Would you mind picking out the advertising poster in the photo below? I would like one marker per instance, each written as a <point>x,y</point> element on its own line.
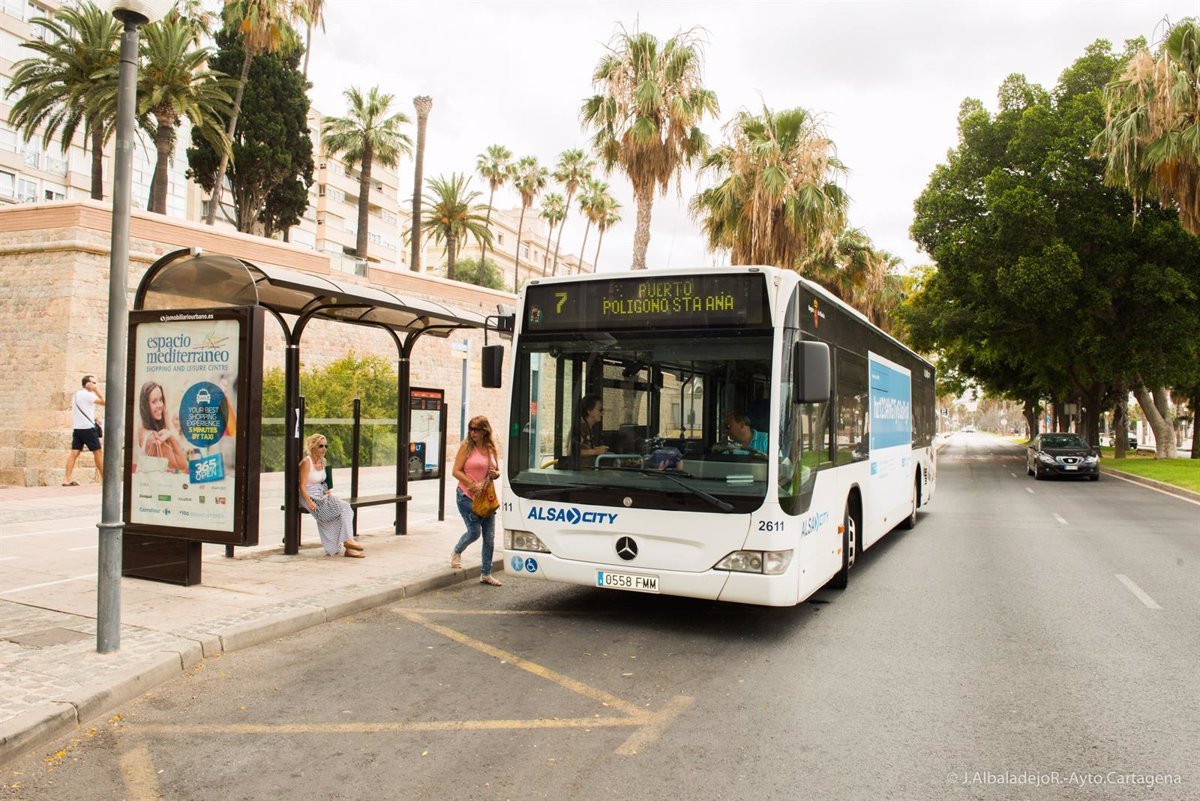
<point>891,416</point>
<point>184,435</point>
<point>425,433</point>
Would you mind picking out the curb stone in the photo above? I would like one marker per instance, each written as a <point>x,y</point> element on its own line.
<point>1149,482</point>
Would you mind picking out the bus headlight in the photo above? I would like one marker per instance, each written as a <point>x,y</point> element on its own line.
<point>770,563</point>
<point>515,540</point>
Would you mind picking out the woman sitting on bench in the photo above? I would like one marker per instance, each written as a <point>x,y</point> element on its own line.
<point>335,518</point>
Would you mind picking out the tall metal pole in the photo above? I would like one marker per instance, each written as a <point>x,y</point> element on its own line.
<point>108,581</point>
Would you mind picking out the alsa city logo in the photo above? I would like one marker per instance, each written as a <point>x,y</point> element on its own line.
<point>813,524</point>
<point>572,515</point>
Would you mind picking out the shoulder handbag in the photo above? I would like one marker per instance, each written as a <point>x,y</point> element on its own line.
<point>95,423</point>
<point>152,462</point>
<point>485,503</point>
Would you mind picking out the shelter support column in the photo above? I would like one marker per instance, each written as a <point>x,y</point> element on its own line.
<point>291,450</point>
<point>403,434</point>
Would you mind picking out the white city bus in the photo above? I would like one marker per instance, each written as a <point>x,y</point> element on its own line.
<point>664,501</point>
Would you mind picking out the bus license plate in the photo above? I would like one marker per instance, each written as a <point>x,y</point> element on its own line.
<point>626,581</point>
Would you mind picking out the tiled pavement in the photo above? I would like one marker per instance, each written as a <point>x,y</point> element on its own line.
<point>51,677</point>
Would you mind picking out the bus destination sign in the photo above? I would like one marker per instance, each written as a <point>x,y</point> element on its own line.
<point>720,300</point>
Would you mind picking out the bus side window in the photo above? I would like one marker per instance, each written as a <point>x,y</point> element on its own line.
<point>853,444</point>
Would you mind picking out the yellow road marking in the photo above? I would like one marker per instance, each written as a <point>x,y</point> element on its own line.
<point>141,780</point>
<point>428,610</point>
<point>524,664</point>
<point>393,727</point>
<point>654,729</point>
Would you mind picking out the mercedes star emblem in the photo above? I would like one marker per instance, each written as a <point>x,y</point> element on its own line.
<point>627,548</point>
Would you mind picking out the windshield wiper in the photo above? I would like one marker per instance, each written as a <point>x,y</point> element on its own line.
<point>699,493</point>
<point>570,488</point>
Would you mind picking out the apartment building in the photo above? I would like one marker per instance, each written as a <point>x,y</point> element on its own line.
<point>33,173</point>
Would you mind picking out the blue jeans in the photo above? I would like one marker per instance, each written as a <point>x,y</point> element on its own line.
<point>476,526</point>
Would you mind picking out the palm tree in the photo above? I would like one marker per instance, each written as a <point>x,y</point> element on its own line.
<point>423,105</point>
<point>610,217</point>
<point>371,133</point>
<point>776,196</point>
<point>52,87</point>
<point>265,27</point>
<point>554,211</point>
<point>173,83</point>
<point>646,115</point>
<point>574,167</point>
<point>494,165</point>
<point>453,215</point>
<point>593,203</point>
<point>1151,139</point>
<point>530,179</point>
<point>314,14</point>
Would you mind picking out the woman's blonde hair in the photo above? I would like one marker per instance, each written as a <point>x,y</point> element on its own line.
<point>311,440</point>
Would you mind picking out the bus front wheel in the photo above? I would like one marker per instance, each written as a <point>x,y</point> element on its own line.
<point>911,521</point>
<point>849,550</point>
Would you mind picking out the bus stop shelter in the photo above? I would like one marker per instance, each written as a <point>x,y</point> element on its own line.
<point>190,279</point>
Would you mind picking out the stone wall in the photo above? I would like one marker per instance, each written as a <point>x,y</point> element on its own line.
<point>54,260</point>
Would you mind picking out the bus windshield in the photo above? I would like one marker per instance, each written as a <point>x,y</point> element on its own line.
<point>643,419</point>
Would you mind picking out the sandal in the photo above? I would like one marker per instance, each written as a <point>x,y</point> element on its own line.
<point>456,561</point>
<point>353,546</point>
<point>353,554</point>
<point>491,580</point>
<point>71,484</point>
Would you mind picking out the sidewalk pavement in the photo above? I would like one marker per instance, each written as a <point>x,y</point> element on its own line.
<point>52,680</point>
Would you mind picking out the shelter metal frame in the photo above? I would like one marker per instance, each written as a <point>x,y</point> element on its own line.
<point>188,278</point>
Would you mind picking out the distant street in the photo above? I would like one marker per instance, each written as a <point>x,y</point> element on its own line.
<point>1025,633</point>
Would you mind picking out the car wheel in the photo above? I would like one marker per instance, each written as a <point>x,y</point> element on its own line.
<point>1094,478</point>
<point>849,544</point>
<point>1028,469</point>
<point>1037,473</point>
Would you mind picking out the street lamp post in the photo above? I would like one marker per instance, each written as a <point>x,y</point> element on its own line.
<point>133,14</point>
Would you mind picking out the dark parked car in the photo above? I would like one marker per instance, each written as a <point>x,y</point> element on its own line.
<point>1061,455</point>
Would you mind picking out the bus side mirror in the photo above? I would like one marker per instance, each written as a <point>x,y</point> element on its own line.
<point>493,364</point>
<point>810,372</point>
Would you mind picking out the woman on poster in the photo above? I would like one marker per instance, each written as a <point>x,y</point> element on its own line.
<point>160,444</point>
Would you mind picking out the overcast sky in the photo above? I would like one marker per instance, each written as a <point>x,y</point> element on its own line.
<point>888,78</point>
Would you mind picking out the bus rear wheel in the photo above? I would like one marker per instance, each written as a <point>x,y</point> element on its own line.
<point>841,579</point>
<point>911,521</point>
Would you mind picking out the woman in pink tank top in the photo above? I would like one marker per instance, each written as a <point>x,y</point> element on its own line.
<point>476,461</point>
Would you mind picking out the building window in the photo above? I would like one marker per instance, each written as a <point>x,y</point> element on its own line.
<point>27,191</point>
<point>499,239</point>
<point>8,184</point>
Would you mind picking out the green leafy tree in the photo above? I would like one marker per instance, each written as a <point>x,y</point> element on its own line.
<point>453,215</point>
<point>329,392</point>
<point>272,165</point>
<point>495,166</point>
<point>1044,288</point>
<point>529,178</point>
<point>265,26</point>
<point>646,116</point>
<point>776,195</point>
<point>370,134</point>
<point>52,88</point>
<point>573,169</point>
<point>488,275</point>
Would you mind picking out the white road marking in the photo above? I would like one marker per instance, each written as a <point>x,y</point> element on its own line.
<point>47,531</point>
<point>1059,518</point>
<point>85,548</point>
<point>1138,592</point>
<point>47,584</point>
<point>1029,490</point>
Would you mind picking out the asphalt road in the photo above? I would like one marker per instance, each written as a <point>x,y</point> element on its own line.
<point>1028,640</point>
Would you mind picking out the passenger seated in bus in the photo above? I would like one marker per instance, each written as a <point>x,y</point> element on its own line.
<point>743,439</point>
<point>583,433</point>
